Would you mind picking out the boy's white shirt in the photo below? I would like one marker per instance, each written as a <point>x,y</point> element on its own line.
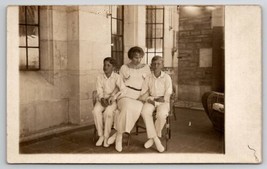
<point>156,87</point>
<point>109,86</point>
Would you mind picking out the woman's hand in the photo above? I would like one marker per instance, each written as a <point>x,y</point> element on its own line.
<point>104,102</point>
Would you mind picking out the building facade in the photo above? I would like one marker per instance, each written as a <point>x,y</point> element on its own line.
<point>70,42</point>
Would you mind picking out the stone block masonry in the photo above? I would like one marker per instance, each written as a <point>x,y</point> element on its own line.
<point>195,33</point>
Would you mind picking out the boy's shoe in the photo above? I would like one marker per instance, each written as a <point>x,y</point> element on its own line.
<point>149,143</point>
<point>106,142</point>
<point>100,141</point>
<point>159,146</point>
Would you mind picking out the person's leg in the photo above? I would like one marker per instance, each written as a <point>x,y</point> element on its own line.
<point>132,114</point>
<point>108,118</point>
<point>98,119</point>
<point>147,115</point>
<point>129,112</point>
<point>162,113</point>
<point>112,139</point>
<point>119,125</point>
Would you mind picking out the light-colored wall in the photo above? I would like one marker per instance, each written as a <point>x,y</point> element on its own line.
<point>72,52</point>
<point>44,94</point>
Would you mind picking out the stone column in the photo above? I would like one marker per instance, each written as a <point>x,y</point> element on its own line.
<point>89,42</point>
<point>94,46</point>
<point>73,63</point>
<point>134,28</point>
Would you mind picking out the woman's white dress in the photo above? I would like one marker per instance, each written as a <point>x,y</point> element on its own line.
<point>129,107</point>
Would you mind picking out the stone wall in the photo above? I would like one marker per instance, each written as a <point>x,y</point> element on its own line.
<point>197,71</point>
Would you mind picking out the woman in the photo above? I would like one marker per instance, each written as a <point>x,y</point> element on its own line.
<point>133,75</point>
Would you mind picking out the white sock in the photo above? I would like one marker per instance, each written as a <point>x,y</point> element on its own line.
<point>159,146</point>
<point>118,145</point>
<point>149,143</point>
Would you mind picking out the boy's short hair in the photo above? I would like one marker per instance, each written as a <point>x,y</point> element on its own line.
<point>155,58</point>
<point>110,60</point>
<point>136,49</point>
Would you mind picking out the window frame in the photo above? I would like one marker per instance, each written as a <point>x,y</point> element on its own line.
<point>154,37</point>
<point>115,51</point>
<point>27,46</point>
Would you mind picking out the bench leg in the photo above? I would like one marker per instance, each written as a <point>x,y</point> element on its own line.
<point>94,135</point>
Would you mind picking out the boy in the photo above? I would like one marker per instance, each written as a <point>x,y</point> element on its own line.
<point>107,86</point>
<point>158,85</point>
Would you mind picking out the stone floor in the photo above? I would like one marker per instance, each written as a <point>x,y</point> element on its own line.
<point>191,132</point>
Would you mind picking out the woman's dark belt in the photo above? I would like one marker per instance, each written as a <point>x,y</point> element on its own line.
<point>134,88</point>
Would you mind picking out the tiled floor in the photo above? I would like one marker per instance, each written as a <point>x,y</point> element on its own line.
<point>192,132</point>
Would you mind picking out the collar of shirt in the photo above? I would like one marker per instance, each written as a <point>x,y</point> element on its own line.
<point>111,76</point>
<point>161,75</point>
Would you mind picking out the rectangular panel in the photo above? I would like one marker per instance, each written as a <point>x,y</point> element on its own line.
<point>119,12</point>
<point>119,44</point>
<point>114,42</point>
<point>119,59</point>
<point>159,16</point>
<point>159,45</point>
<point>22,35</point>
<point>159,31</point>
<point>33,36</point>
<point>205,57</point>
<point>159,54</point>
<point>149,31</point>
<point>150,16</point>
<point>113,45</point>
<point>22,15</point>
<point>32,14</point>
<point>114,26</point>
<point>114,11</point>
<point>150,44</point>
<point>33,58</point>
<point>22,58</point>
<point>119,27</point>
<point>149,57</point>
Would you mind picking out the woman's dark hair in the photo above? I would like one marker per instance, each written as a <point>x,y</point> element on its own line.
<point>110,60</point>
<point>135,50</point>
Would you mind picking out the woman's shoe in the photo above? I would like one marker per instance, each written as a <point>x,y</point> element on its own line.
<point>118,145</point>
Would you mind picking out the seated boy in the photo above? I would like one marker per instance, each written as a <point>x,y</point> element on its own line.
<point>109,86</point>
<point>158,87</point>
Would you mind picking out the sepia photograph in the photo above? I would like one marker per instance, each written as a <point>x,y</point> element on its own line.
<point>118,80</point>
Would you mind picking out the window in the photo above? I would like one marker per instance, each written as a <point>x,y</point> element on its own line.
<point>117,43</point>
<point>29,38</point>
<point>154,32</point>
